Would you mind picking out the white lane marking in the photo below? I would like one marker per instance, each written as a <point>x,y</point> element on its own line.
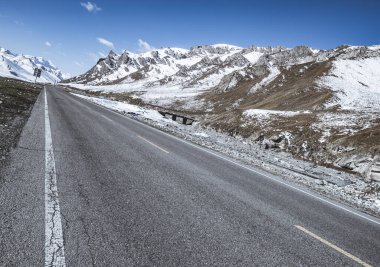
<point>106,118</point>
<point>324,241</point>
<point>153,144</point>
<point>238,164</point>
<point>54,249</point>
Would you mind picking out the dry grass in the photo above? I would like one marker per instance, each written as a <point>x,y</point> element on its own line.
<point>292,90</point>
<point>16,101</point>
<point>366,140</point>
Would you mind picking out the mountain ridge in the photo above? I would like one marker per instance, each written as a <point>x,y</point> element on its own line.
<point>20,66</point>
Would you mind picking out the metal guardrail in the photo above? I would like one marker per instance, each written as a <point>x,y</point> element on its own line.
<point>178,118</point>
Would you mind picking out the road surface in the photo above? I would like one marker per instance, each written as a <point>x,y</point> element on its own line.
<point>89,187</point>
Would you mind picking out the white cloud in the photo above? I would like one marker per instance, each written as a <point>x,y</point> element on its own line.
<point>78,64</point>
<point>105,42</point>
<point>144,46</point>
<point>91,7</point>
<point>18,23</point>
<point>47,43</point>
<point>93,56</point>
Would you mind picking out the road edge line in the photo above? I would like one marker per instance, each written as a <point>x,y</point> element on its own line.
<point>54,247</point>
<point>153,144</point>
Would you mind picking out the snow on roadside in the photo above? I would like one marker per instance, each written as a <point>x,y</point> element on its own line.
<point>157,95</point>
<point>128,108</point>
<point>345,122</point>
<point>201,134</point>
<point>265,114</point>
<point>262,115</point>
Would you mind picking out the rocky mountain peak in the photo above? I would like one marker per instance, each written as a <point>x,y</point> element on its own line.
<point>111,54</point>
<point>219,49</point>
<point>6,51</point>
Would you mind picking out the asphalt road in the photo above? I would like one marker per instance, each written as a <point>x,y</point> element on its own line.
<point>130,195</point>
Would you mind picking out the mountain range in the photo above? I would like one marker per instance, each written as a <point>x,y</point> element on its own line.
<point>223,68</point>
<point>21,67</point>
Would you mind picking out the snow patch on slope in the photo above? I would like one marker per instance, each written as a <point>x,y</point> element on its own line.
<point>356,83</point>
<point>266,114</point>
<point>273,73</point>
<point>253,57</point>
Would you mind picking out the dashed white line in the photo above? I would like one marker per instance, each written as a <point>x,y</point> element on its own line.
<point>153,144</point>
<point>324,241</point>
<point>54,248</point>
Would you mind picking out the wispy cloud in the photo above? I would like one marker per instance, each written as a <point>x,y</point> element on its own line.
<point>144,46</point>
<point>93,56</point>
<point>47,43</point>
<point>18,23</point>
<point>91,7</point>
<point>78,64</point>
<point>105,42</point>
<point>102,54</point>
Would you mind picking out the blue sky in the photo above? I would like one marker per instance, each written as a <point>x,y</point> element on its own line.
<point>71,33</point>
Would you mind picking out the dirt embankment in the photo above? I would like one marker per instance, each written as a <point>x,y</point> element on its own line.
<point>16,101</point>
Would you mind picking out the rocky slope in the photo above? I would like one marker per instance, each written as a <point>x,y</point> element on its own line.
<point>321,105</point>
<point>21,67</point>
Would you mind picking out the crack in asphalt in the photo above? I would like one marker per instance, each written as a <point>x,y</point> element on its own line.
<point>41,150</point>
<point>88,237</point>
<point>54,216</point>
<point>85,198</point>
<point>32,149</point>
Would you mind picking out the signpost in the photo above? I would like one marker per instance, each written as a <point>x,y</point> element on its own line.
<point>37,73</point>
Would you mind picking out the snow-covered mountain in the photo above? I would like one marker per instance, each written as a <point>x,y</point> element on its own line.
<point>21,67</point>
<point>174,72</point>
<point>173,64</point>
